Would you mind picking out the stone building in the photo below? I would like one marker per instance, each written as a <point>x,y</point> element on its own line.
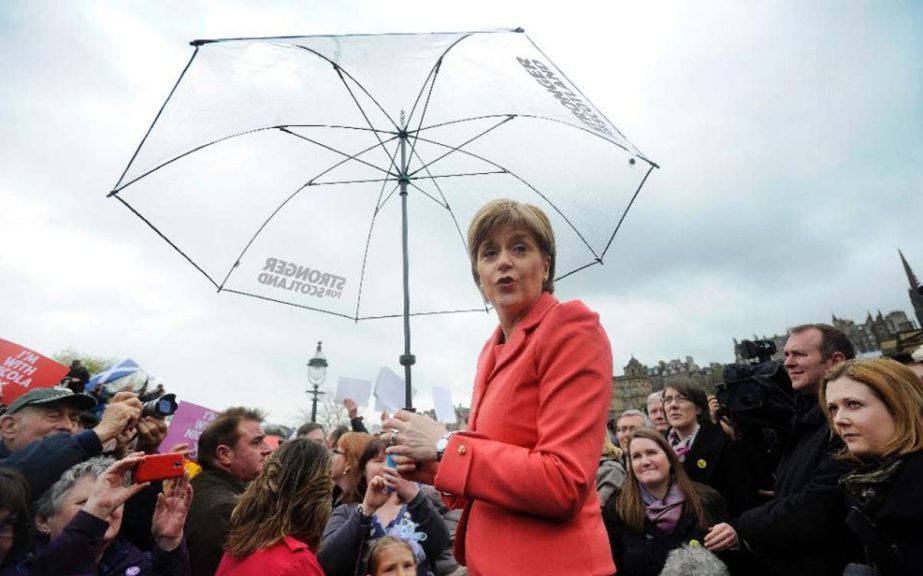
<point>631,389</point>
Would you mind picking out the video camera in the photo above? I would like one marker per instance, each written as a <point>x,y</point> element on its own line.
<point>759,392</point>
<point>164,406</point>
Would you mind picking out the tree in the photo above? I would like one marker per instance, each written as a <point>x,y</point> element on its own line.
<point>330,413</point>
<point>93,364</point>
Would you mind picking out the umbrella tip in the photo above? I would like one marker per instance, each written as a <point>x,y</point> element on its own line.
<point>198,43</point>
<point>520,30</point>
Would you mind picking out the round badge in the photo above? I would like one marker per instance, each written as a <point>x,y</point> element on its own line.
<point>701,464</point>
<point>695,543</point>
<point>132,571</point>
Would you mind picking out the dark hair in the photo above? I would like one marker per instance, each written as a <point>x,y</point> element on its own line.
<point>832,340</point>
<point>336,433</point>
<point>306,429</point>
<point>628,503</point>
<point>290,497</point>
<point>372,450</point>
<point>14,498</point>
<point>695,394</point>
<point>223,432</point>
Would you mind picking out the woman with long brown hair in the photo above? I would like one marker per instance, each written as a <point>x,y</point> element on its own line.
<point>658,509</point>
<point>276,527</point>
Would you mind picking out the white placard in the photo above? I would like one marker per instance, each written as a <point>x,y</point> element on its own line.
<point>358,390</point>
<point>389,391</point>
<point>442,402</point>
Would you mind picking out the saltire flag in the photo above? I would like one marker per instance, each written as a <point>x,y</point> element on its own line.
<point>126,367</point>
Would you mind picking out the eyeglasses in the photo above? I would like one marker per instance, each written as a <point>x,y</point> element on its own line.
<point>679,400</point>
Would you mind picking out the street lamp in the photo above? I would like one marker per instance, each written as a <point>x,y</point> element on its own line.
<point>317,373</point>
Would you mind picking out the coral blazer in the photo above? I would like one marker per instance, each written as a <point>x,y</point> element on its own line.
<point>525,470</point>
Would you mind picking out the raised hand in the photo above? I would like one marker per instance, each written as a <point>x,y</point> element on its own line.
<point>170,513</point>
<point>110,490</point>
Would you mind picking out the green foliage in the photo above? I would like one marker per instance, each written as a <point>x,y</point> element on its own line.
<point>95,364</point>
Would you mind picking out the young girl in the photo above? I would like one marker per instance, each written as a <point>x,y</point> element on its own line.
<point>391,556</point>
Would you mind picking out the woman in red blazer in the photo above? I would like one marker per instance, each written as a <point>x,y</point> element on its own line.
<point>277,524</point>
<point>524,471</point>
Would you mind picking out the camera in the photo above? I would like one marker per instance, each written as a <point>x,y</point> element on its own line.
<point>760,392</point>
<point>160,407</point>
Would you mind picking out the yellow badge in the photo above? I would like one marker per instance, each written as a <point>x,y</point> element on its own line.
<point>701,464</point>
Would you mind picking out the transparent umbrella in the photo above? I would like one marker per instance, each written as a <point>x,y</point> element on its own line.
<point>337,173</point>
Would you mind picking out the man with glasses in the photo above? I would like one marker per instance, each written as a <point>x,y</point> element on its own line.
<point>801,530</point>
<point>231,451</point>
<point>41,437</point>
<point>628,422</point>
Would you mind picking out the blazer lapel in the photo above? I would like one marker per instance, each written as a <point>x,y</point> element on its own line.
<point>492,361</point>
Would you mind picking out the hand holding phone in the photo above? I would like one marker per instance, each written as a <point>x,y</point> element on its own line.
<point>159,467</point>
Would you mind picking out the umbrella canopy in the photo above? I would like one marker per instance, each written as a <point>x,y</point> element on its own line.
<point>338,173</point>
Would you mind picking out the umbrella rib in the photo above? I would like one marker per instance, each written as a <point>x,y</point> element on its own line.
<point>203,41</point>
<point>465,143</point>
<point>460,174</point>
<point>428,195</point>
<point>257,233</point>
<point>547,119</point>
<point>445,201</point>
<point>627,208</point>
<point>222,139</point>
<point>156,118</point>
<point>579,268</point>
<point>332,149</point>
<point>577,90</point>
<point>168,241</point>
<point>368,240</point>
<point>431,79</point>
<point>433,74</point>
<point>433,313</point>
<point>340,314</point>
<point>341,72</point>
<point>524,181</point>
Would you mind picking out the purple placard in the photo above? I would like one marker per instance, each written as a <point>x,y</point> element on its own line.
<point>186,426</point>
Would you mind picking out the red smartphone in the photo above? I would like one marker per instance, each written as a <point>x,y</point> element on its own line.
<point>159,467</point>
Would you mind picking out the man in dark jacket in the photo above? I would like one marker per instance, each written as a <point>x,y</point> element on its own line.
<point>231,451</point>
<point>40,436</point>
<point>801,530</point>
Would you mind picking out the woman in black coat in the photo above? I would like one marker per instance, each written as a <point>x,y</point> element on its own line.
<point>876,407</point>
<point>708,455</point>
<point>659,509</point>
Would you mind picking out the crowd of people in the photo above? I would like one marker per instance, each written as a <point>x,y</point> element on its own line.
<point>534,483</point>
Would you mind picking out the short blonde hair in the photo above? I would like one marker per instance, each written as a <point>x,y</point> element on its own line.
<point>894,384</point>
<point>502,212</point>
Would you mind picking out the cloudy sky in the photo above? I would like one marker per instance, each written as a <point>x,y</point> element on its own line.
<point>789,135</point>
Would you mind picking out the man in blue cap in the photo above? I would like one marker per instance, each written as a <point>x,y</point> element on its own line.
<point>41,437</point>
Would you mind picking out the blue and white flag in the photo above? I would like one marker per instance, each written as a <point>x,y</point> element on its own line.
<point>126,367</point>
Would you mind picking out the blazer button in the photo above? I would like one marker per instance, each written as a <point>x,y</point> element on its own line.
<point>462,449</point>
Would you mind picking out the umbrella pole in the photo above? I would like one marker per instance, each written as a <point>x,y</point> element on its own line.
<point>407,359</point>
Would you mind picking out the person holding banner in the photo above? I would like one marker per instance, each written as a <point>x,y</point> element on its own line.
<point>524,472</point>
